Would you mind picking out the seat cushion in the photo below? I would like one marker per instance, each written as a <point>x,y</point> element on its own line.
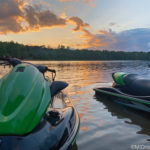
<point>137,84</point>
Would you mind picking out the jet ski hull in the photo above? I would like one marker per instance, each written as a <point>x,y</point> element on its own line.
<point>136,102</point>
<point>57,130</point>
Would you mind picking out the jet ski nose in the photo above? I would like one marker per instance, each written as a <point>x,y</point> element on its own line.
<point>113,74</point>
<point>118,77</point>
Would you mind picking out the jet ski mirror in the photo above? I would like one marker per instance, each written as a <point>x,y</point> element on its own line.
<point>42,69</point>
<point>57,86</point>
<point>10,61</point>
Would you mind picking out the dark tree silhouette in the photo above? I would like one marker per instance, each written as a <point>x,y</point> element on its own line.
<point>65,53</point>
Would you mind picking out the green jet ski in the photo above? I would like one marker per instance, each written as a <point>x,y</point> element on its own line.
<point>28,118</point>
<point>131,90</point>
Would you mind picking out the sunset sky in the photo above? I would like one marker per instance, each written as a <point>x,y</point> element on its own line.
<point>91,24</point>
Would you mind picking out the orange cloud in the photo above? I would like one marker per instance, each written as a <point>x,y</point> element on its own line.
<point>80,25</point>
<point>63,15</point>
<point>20,16</point>
<point>90,39</point>
<point>101,40</point>
<point>10,11</point>
<point>45,18</point>
<point>90,2</point>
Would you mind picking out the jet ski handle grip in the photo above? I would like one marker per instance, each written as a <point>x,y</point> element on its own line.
<point>51,70</point>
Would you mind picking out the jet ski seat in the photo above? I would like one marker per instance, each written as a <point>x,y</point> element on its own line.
<point>137,84</point>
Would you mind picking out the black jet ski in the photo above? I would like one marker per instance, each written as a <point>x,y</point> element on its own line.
<point>131,90</point>
<point>30,118</point>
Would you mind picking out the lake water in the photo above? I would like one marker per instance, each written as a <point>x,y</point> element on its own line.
<point>104,125</point>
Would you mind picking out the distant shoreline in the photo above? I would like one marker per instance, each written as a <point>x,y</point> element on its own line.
<point>26,52</point>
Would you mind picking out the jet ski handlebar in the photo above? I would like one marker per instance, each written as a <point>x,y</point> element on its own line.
<point>15,61</point>
<point>44,69</point>
<point>10,61</point>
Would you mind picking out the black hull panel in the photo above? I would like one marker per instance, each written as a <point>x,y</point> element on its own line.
<point>136,102</point>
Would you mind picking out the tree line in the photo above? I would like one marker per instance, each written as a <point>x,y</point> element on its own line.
<point>12,49</point>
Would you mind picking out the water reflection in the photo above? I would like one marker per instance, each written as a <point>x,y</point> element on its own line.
<point>135,117</point>
<point>4,70</point>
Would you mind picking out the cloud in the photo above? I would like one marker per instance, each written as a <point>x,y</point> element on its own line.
<point>80,25</point>
<point>91,40</point>
<point>129,40</point>
<point>90,2</point>
<point>95,41</point>
<point>42,18</point>
<point>10,14</point>
<point>20,16</point>
<point>112,24</point>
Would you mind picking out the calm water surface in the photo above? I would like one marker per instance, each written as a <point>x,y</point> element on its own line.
<point>104,125</point>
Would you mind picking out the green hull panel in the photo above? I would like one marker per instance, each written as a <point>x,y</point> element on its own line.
<point>24,98</point>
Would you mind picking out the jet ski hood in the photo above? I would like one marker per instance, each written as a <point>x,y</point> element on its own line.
<point>24,99</point>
